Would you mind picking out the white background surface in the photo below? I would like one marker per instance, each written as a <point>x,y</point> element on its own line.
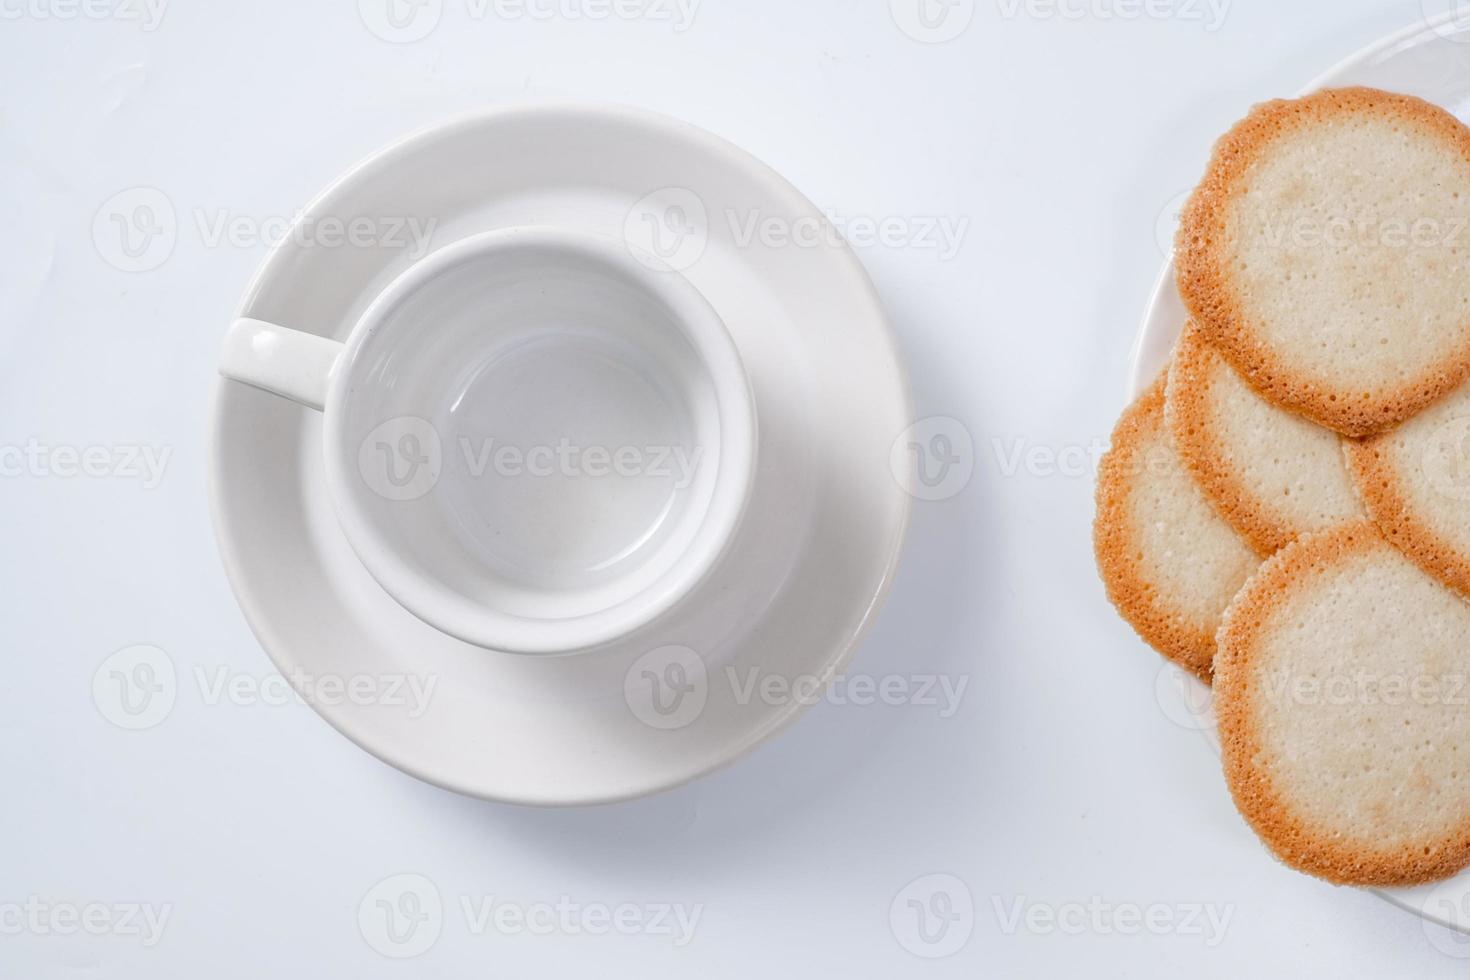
<point>1060,781</point>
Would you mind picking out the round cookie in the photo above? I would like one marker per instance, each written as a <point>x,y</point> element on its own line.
<point>1170,563</point>
<point>1271,473</point>
<point>1326,254</point>
<point>1415,483</point>
<point>1341,687</point>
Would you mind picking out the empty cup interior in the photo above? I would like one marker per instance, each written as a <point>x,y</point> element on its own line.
<point>533,433</point>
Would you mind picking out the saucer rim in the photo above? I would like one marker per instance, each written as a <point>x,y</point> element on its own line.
<point>252,606</point>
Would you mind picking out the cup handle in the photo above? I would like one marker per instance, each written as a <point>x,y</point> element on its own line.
<point>289,363</point>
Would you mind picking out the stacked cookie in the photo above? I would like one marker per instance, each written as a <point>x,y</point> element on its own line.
<point>1286,512</point>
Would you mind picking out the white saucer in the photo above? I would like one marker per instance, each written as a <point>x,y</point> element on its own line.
<point>814,557</point>
<point>1431,60</point>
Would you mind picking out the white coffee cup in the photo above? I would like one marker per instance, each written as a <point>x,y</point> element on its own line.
<point>535,440</point>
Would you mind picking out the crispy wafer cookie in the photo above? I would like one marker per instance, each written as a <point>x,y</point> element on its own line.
<point>1170,563</point>
<point>1271,473</point>
<point>1326,254</point>
<point>1341,692</point>
<point>1415,482</point>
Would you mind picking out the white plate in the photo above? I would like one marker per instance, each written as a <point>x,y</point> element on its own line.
<point>1430,60</point>
<point>812,562</point>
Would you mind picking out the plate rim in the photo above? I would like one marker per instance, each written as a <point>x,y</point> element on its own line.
<point>1404,898</point>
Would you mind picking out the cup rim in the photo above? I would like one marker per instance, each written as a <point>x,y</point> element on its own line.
<point>482,625</point>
